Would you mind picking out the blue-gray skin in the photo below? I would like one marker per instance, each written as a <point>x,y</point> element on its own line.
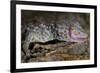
<point>43,33</point>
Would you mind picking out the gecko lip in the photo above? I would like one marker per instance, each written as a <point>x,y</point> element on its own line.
<point>80,39</point>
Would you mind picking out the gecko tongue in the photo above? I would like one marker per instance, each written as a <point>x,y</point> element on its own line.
<point>78,36</point>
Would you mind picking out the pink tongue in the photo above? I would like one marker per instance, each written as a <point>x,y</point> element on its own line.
<point>77,37</point>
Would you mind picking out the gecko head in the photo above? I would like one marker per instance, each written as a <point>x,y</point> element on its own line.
<point>78,34</point>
